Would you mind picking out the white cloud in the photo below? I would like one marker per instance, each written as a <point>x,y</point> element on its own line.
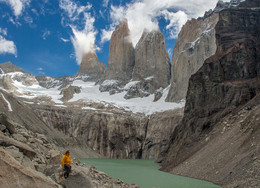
<point>3,31</point>
<point>177,20</point>
<point>79,19</point>
<point>105,3</point>
<point>45,34</point>
<point>7,46</point>
<point>40,71</point>
<point>64,40</point>
<point>83,43</point>
<point>17,5</point>
<point>73,10</point>
<point>145,13</point>
<point>106,34</point>
<point>28,19</point>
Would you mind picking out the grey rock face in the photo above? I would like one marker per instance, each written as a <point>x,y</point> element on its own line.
<point>111,85</point>
<point>115,134</point>
<point>121,54</point>
<point>9,67</point>
<point>140,89</point>
<point>69,92</point>
<point>152,60</point>
<point>196,42</point>
<point>90,66</point>
<point>159,130</point>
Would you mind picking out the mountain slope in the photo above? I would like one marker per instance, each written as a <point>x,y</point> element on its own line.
<point>226,84</point>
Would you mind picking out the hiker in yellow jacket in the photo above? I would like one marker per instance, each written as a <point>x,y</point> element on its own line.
<point>66,163</point>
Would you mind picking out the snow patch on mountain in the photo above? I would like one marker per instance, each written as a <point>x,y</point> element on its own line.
<point>8,103</point>
<point>90,93</point>
<point>1,71</point>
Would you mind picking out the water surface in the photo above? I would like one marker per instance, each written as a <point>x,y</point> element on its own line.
<point>145,173</point>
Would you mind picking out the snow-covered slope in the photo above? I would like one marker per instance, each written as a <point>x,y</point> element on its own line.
<point>26,86</point>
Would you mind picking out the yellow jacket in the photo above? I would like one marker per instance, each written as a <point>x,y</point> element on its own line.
<point>65,160</point>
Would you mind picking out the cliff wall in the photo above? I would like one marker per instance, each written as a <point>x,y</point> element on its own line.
<point>225,87</point>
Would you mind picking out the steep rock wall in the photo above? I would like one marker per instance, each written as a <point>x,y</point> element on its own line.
<point>121,54</point>
<point>225,82</point>
<point>196,42</point>
<point>152,59</point>
<point>115,134</point>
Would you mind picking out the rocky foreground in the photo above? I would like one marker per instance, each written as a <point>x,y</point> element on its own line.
<point>30,152</point>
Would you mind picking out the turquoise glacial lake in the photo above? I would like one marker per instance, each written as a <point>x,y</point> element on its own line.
<point>145,173</point>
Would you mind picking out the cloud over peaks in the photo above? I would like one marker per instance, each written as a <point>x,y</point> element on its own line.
<point>83,42</point>
<point>144,14</point>
<point>79,19</point>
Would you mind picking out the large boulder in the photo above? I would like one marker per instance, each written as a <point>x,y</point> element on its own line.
<point>6,141</point>
<point>69,92</point>
<point>13,174</point>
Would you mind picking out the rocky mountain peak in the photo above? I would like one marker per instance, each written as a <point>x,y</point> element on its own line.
<point>152,60</point>
<point>221,6</point>
<point>121,54</point>
<point>91,67</point>
<point>123,27</point>
<point>9,67</point>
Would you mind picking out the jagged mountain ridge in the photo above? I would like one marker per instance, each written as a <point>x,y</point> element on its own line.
<point>66,91</point>
<point>148,63</point>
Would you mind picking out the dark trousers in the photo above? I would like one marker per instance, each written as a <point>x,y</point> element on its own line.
<point>67,170</point>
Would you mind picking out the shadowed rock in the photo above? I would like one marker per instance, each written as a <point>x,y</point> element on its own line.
<point>223,87</point>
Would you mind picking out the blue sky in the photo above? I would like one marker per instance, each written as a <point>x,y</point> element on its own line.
<point>49,37</point>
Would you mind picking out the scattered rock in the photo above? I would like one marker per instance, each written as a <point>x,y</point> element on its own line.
<point>6,141</point>
<point>2,127</point>
<point>26,177</point>
<point>19,137</point>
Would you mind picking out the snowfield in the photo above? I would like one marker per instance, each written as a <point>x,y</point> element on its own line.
<point>90,93</point>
